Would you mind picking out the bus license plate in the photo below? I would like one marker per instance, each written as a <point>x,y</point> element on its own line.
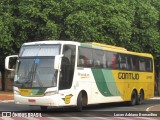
<point>32,100</point>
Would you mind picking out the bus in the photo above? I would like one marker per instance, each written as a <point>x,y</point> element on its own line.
<point>68,73</point>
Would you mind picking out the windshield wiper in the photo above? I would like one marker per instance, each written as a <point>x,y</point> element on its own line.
<point>39,82</point>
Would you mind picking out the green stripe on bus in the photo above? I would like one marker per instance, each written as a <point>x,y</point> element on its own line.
<point>91,46</point>
<point>105,82</point>
<point>86,45</point>
<point>111,84</point>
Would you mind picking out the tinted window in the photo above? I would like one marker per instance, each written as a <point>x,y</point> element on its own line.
<point>122,60</point>
<point>148,65</point>
<point>111,60</point>
<point>142,64</point>
<point>135,63</point>
<point>98,58</point>
<point>107,59</point>
<point>85,57</point>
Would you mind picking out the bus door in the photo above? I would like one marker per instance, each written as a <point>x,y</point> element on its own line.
<point>67,67</point>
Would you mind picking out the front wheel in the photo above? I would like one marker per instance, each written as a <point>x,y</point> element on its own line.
<point>43,107</point>
<point>79,102</point>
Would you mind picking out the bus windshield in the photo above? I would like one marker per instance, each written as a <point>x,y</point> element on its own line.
<point>37,72</point>
<point>35,67</point>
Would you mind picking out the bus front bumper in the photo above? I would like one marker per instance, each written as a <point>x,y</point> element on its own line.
<point>40,101</point>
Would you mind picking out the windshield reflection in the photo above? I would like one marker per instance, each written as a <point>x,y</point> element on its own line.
<point>39,72</point>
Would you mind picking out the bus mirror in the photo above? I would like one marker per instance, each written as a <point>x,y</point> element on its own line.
<point>10,62</point>
<point>57,62</point>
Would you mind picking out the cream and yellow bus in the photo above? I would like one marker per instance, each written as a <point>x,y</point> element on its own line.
<point>67,73</point>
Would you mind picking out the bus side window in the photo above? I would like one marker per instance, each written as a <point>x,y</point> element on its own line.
<point>85,57</point>
<point>122,61</point>
<point>97,63</point>
<point>135,63</point>
<point>114,63</point>
<point>85,61</point>
<point>99,58</point>
<point>110,59</point>
<point>148,65</point>
<point>129,63</point>
<point>90,63</point>
<point>142,65</point>
<point>81,62</point>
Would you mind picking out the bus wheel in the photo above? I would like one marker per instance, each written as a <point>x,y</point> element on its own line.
<point>79,102</point>
<point>140,98</point>
<point>133,98</point>
<point>43,107</point>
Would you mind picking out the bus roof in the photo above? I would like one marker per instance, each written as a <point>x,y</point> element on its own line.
<point>113,48</point>
<point>107,46</point>
<point>52,42</point>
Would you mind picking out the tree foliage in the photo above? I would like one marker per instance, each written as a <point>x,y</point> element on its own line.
<point>134,25</point>
<point>145,34</point>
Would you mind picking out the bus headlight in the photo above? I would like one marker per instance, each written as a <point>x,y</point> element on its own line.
<point>48,93</point>
<point>16,92</point>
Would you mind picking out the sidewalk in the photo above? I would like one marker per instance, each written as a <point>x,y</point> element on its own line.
<point>6,95</point>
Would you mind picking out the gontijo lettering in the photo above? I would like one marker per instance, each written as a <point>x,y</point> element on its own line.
<point>132,76</point>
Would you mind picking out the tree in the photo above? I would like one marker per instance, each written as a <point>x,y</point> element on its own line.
<point>145,36</point>
<point>6,39</point>
<point>100,21</point>
<point>23,21</point>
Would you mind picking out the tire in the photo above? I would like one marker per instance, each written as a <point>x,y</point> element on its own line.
<point>133,98</point>
<point>44,108</point>
<point>79,103</point>
<point>140,98</point>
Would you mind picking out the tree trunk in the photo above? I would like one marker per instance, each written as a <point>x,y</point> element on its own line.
<point>3,80</point>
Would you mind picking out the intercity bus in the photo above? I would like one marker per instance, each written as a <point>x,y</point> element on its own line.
<point>68,73</point>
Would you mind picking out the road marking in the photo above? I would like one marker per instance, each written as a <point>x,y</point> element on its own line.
<point>33,118</point>
<point>69,118</point>
<point>151,107</point>
<point>122,118</point>
<point>146,118</point>
<point>55,118</point>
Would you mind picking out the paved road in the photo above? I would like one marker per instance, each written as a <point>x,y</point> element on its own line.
<point>101,111</point>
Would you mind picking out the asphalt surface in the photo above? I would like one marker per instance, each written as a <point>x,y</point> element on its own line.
<point>8,97</point>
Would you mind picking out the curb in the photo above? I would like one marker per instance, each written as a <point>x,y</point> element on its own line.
<point>6,101</point>
<point>6,96</point>
<point>154,98</point>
